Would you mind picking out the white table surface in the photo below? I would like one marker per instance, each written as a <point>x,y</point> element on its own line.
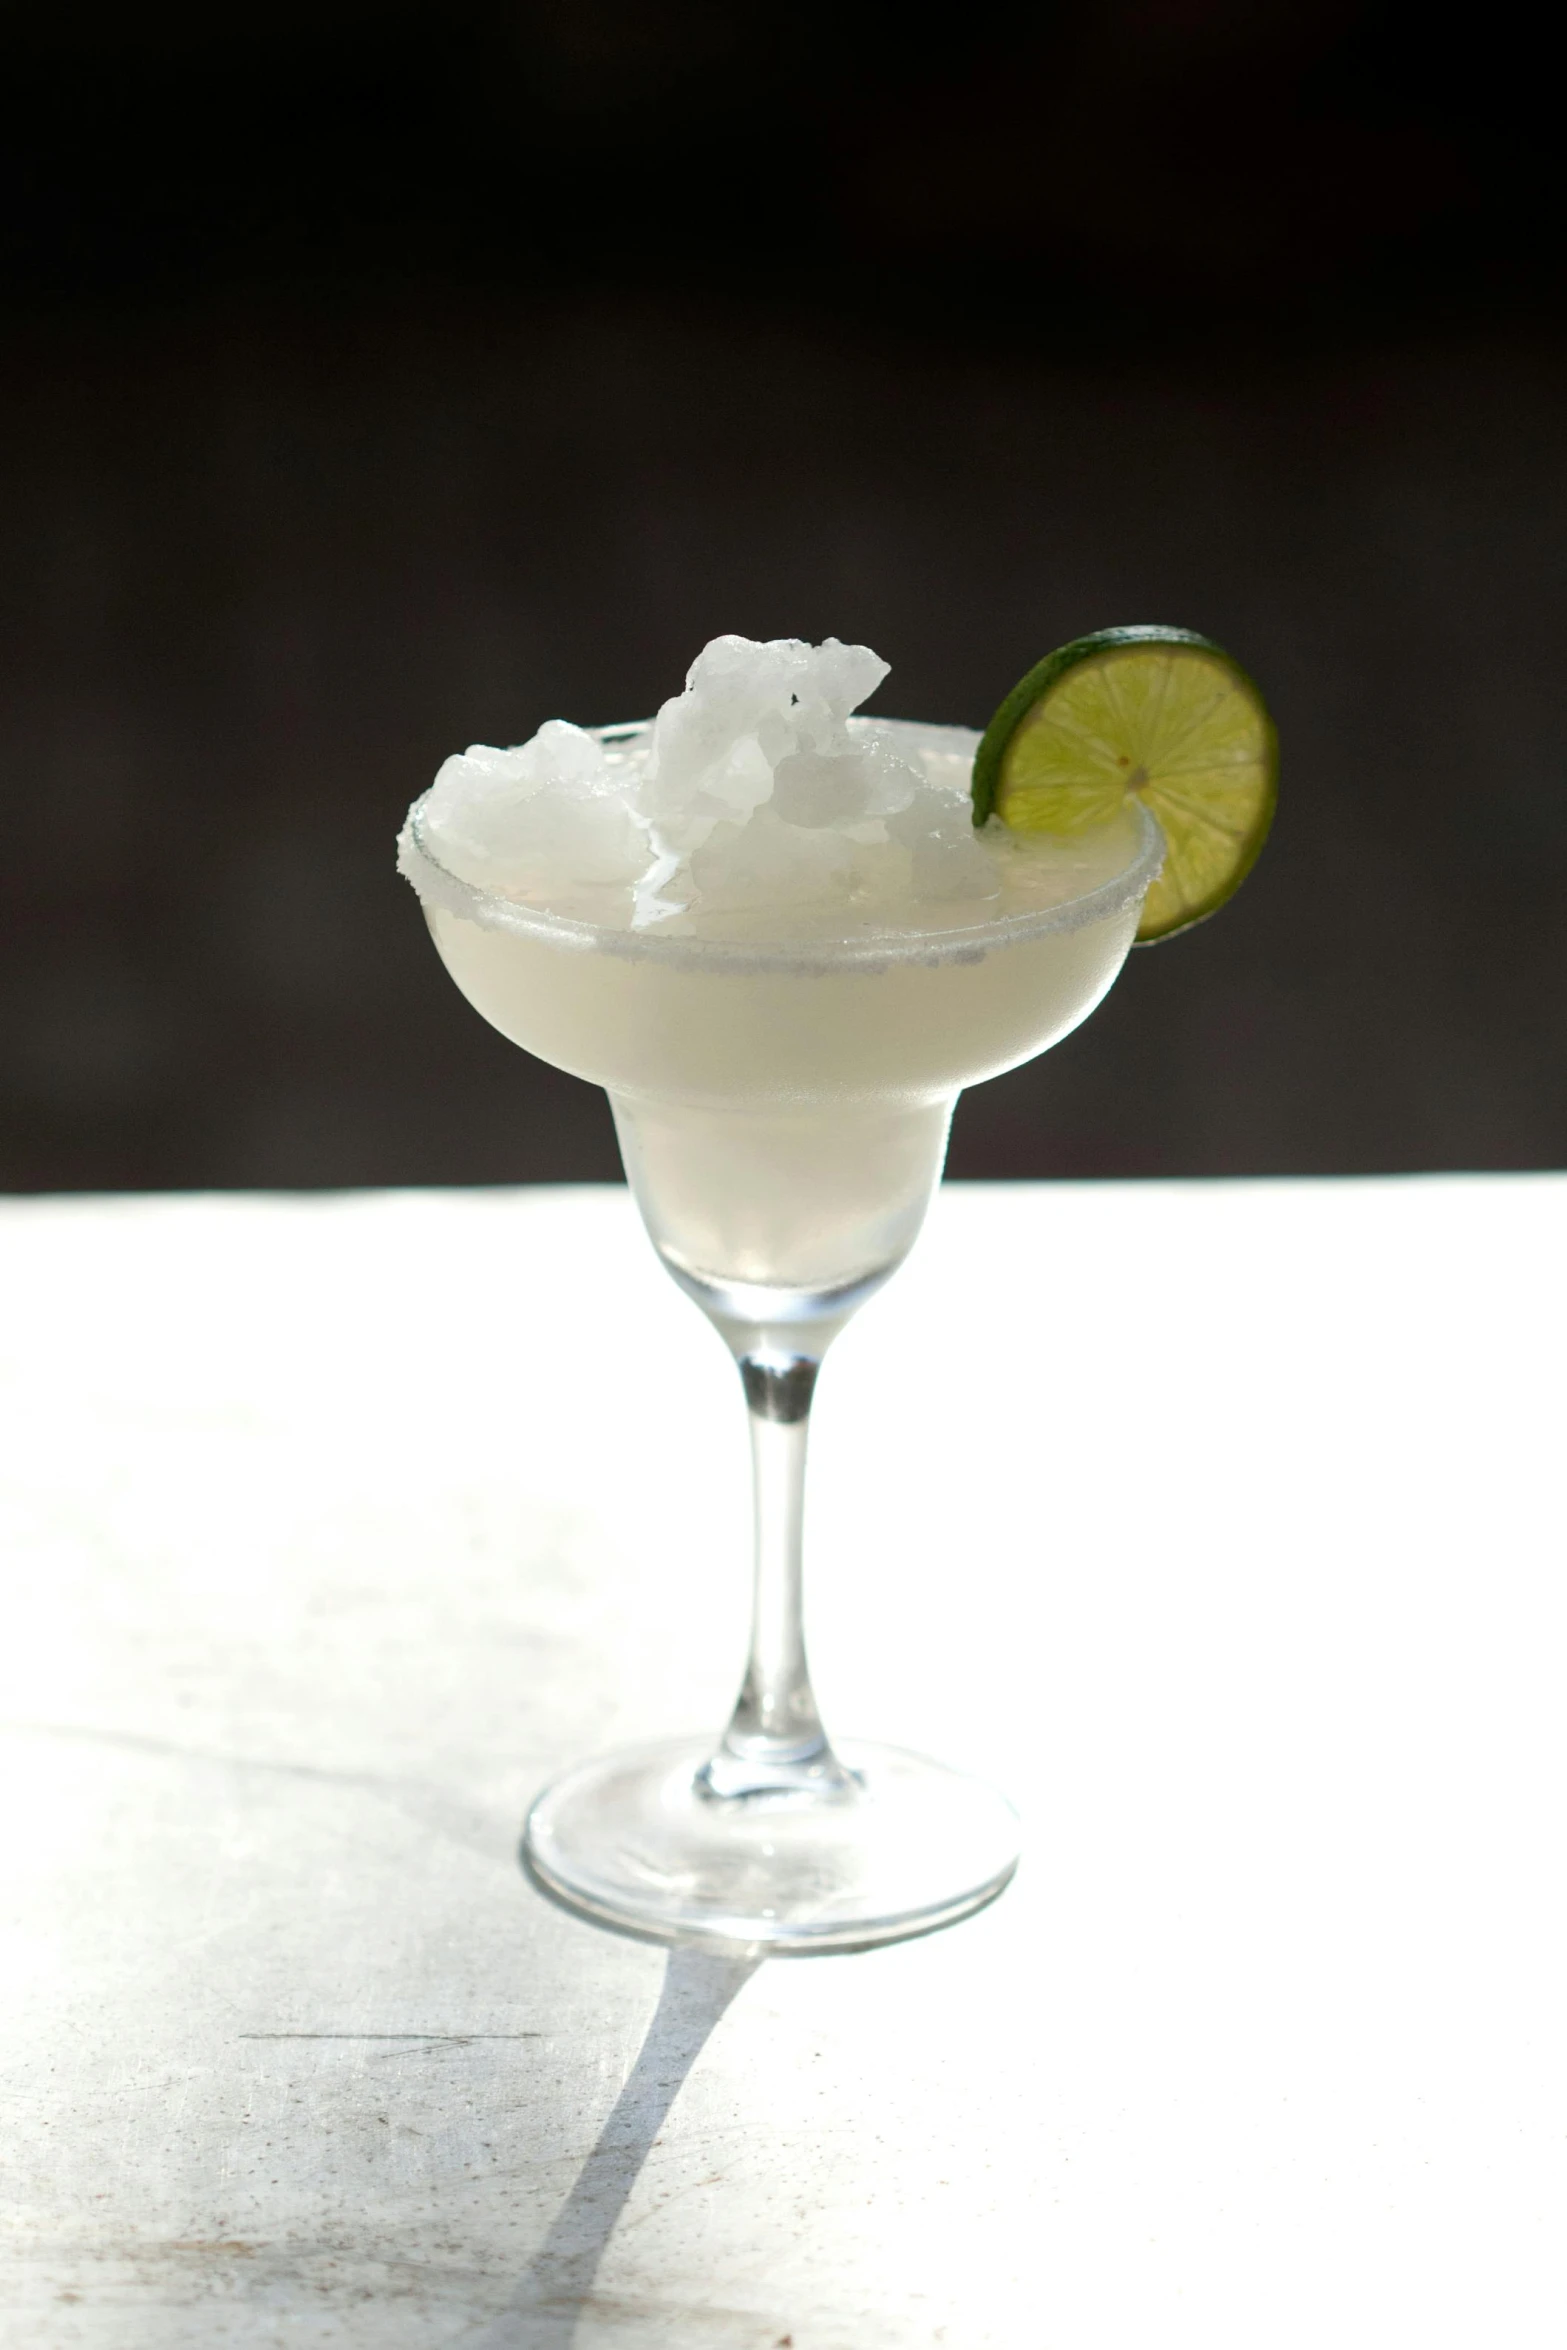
<point>1221,1523</point>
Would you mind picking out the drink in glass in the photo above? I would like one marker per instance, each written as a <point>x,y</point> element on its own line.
<point>783,1027</point>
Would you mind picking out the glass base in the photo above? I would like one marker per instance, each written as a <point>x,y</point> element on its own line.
<point>633,1841</point>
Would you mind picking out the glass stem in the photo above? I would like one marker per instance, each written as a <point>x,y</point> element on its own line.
<point>775,1743</point>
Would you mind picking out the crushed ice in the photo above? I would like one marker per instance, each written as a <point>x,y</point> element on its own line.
<point>757,798</point>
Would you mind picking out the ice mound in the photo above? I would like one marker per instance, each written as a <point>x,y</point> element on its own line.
<point>757,804</point>
<point>552,812</point>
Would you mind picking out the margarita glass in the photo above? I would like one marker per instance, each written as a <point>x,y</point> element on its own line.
<point>783,1110</point>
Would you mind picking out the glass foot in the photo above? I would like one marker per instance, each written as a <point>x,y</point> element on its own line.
<point>632,1840</point>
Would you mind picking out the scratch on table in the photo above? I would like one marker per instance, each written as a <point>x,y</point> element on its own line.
<point>430,1806</point>
<point>174,1750</point>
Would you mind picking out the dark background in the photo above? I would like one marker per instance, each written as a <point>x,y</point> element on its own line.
<point>379,378</point>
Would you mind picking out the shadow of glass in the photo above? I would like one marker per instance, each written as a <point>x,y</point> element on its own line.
<point>698,1987</point>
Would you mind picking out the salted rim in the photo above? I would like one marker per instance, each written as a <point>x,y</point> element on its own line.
<point>437,886</point>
